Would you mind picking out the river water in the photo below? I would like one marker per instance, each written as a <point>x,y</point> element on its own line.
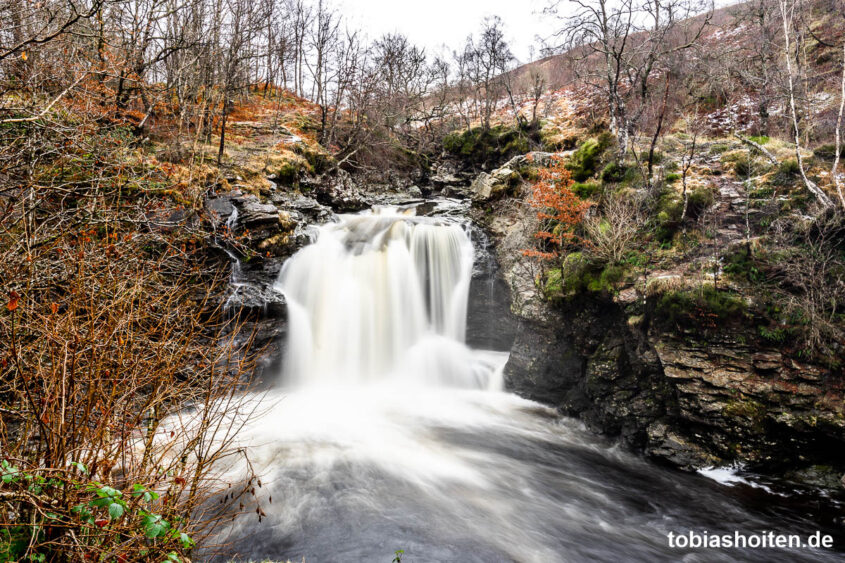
<point>388,432</point>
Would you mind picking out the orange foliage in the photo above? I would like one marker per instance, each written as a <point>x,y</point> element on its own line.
<point>558,209</point>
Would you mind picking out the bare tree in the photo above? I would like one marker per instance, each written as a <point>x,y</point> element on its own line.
<point>787,9</point>
<point>617,48</point>
<point>834,171</point>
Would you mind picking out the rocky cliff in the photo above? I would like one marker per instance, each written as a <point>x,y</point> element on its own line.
<point>705,394</point>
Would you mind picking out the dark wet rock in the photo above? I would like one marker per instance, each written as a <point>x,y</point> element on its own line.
<point>340,192</point>
<point>252,214</point>
<point>257,301</point>
<point>544,365</point>
<point>221,207</point>
<point>668,444</point>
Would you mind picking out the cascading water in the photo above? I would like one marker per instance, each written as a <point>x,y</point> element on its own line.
<point>383,296</point>
<point>389,433</point>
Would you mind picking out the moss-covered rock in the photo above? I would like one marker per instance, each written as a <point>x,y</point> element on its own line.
<point>586,160</point>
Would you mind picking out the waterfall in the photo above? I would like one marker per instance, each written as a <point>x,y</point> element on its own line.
<point>382,296</point>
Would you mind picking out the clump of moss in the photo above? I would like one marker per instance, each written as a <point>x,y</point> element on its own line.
<point>585,190</point>
<point>741,264</point>
<point>579,275</point>
<point>619,173</point>
<point>318,160</point>
<point>586,160</point>
<point>479,146</point>
<point>670,207</point>
<point>699,309</point>
<point>553,141</point>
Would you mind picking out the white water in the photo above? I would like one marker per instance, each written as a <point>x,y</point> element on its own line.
<point>382,296</point>
<point>389,433</point>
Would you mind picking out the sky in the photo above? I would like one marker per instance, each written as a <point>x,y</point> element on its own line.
<point>443,25</point>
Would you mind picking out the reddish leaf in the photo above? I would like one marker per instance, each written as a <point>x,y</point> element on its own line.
<point>14,300</point>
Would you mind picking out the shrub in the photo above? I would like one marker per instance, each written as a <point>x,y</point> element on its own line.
<point>741,264</point>
<point>672,177</point>
<point>670,207</point>
<point>318,160</point>
<point>559,210</point>
<point>619,173</point>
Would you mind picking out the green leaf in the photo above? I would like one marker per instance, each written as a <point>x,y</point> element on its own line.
<point>154,525</point>
<point>100,502</point>
<point>10,473</point>
<point>186,540</point>
<point>80,466</point>
<point>115,511</point>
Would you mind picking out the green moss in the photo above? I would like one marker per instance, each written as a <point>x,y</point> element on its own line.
<point>480,146</point>
<point>774,334</point>
<point>748,409</point>
<point>672,177</point>
<point>670,207</point>
<point>553,282</point>
<point>288,173</point>
<point>579,275</point>
<point>317,160</point>
<point>585,190</point>
<point>552,142</point>
<point>702,308</point>
<point>741,264</point>
<point>586,160</point>
<point>760,139</point>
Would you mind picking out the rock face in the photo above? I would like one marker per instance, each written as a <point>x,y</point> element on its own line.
<point>492,186</point>
<point>692,400</point>
<point>751,402</point>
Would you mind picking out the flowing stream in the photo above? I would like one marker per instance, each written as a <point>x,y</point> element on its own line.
<point>388,432</point>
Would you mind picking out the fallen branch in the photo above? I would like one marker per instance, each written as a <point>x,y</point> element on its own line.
<point>763,150</point>
<point>49,106</point>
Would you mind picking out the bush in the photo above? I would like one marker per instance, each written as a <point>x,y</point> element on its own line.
<point>318,160</point>
<point>742,265</point>
<point>670,207</point>
<point>672,177</point>
<point>580,275</point>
